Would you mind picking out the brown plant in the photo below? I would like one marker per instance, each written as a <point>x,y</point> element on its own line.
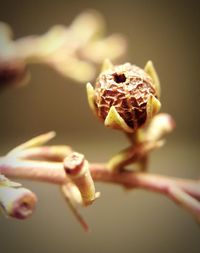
<point>125,97</point>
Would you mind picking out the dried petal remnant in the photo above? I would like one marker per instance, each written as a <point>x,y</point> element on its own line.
<point>127,88</point>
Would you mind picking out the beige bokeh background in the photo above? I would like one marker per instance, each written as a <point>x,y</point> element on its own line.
<point>166,32</point>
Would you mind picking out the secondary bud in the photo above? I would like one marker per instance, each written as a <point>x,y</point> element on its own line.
<point>73,164</point>
<point>77,168</point>
<point>161,125</point>
<point>18,203</point>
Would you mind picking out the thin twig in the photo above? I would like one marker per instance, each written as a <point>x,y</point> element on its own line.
<point>54,173</point>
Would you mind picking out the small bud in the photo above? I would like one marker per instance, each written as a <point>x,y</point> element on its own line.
<point>161,125</point>
<point>73,164</point>
<point>18,202</point>
<point>125,96</point>
<point>77,168</point>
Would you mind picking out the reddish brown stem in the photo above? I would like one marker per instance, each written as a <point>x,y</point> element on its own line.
<point>54,173</point>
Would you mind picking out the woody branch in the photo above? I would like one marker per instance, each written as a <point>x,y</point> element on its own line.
<point>185,192</point>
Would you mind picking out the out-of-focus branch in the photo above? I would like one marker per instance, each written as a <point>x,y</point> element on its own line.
<point>74,51</point>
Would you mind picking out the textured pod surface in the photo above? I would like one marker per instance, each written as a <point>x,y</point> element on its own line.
<point>127,88</point>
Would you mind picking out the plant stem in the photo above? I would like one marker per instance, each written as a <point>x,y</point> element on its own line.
<point>53,172</point>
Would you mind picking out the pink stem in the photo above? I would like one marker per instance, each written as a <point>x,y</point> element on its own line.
<point>54,173</point>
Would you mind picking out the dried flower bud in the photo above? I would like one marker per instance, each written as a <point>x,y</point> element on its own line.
<point>125,96</point>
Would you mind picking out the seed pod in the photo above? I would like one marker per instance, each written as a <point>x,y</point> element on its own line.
<point>125,96</point>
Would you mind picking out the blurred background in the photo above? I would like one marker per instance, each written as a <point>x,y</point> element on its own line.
<point>168,33</point>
